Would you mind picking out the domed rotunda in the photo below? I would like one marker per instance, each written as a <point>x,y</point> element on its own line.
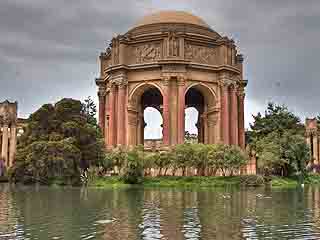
<point>171,60</point>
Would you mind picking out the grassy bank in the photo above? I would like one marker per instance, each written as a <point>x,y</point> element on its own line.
<point>168,181</point>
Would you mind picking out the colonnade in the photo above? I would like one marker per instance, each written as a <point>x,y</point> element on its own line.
<point>232,114</point>
<point>112,113</point>
<point>8,143</point>
<point>312,139</point>
<point>123,124</point>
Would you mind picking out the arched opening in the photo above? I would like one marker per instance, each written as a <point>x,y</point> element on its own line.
<point>153,124</point>
<point>191,129</point>
<point>146,115</point>
<point>199,103</point>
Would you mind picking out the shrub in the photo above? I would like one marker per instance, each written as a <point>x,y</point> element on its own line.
<point>133,170</point>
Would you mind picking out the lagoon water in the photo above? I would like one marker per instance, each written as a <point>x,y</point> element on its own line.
<point>158,213</point>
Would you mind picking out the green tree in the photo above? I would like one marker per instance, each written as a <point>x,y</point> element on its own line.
<point>89,109</point>
<point>200,160</point>
<point>184,157</point>
<point>133,170</point>
<point>278,140</point>
<point>54,135</point>
<point>283,155</point>
<point>228,159</point>
<point>278,119</point>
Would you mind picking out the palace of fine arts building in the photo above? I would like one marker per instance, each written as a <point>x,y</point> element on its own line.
<point>130,120</point>
<point>171,60</point>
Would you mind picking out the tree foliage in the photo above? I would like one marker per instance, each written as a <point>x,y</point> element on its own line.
<point>277,119</point>
<point>205,159</point>
<point>277,138</point>
<point>59,141</point>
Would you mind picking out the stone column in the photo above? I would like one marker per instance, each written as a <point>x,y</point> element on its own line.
<point>121,115</point>
<point>234,115</point>
<point>166,117</point>
<point>112,130</point>
<point>315,148</point>
<point>181,110</point>
<point>5,139</point>
<point>204,122</point>
<point>225,113</point>
<point>241,96</point>
<point>102,112</point>
<point>199,126</point>
<point>140,128</point>
<point>13,144</point>
<point>107,118</point>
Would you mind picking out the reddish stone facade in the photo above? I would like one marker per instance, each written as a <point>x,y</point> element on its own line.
<point>312,139</point>
<point>170,61</point>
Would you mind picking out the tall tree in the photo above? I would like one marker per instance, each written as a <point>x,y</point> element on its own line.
<point>277,118</point>
<point>278,140</point>
<point>59,140</point>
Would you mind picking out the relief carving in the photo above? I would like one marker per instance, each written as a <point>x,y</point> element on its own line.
<point>200,54</point>
<point>148,53</point>
<point>173,45</point>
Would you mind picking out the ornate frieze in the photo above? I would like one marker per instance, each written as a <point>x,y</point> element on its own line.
<point>200,54</point>
<point>149,52</point>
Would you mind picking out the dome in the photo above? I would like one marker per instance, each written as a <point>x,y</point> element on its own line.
<point>171,17</point>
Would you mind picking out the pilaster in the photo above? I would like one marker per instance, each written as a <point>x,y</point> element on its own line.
<point>234,115</point>
<point>224,86</point>
<point>5,139</point>
<point>13,144</point>
<point>241,96</point>
<point>181,109</point>
<point>112,125</point>
<point>315,148</point>
<point>166,117</point>
<point>121,139</point>
<point>102,106</point>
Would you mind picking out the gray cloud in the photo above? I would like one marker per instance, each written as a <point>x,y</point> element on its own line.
<point>49,49</point>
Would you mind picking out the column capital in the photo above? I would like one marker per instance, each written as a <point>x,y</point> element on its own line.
<point>233,88</point>
<point>225,83</point>
<point>122,85</point>
<point>241,94</point>
<point>181,80</point>
<point>165,80</point>
<point>101,92</point>
<point>307,133</point>
<point>119,79</point>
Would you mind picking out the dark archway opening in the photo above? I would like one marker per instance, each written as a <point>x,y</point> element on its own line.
<point>151,102</point>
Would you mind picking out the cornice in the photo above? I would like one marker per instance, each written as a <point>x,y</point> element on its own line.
<point>181,62</point>
<point>178,27</point>
<point>100,81</point>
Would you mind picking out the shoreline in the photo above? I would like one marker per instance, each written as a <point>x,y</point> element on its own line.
<point>211,182</point>
<point>253,181</point>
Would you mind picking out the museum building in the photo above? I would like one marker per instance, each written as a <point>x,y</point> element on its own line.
<point>171,60</point>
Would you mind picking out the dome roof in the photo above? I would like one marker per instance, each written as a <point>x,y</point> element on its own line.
<point>171,17</point>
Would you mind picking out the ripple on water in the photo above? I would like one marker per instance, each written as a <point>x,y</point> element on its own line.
<point>45,213</point>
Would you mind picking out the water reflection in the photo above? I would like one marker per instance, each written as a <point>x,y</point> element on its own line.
<point>151,214</point>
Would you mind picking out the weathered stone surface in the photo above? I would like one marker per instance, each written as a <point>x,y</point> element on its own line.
<point>10,127</point>
<point>171,60</point>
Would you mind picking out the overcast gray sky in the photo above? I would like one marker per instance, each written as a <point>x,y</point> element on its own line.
<point>49,49</point>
